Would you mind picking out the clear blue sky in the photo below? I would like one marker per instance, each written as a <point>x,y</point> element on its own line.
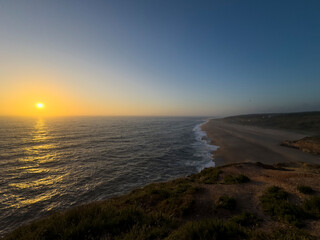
<point>167,57</point>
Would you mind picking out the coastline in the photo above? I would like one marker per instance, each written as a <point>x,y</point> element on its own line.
<point>205,147</point>
<point>226,200</point>
<point>239,143</point>
<point>125,154</point>
<point>188,202</point>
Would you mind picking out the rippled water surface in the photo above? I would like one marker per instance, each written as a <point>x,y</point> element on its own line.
<point>52,164</point>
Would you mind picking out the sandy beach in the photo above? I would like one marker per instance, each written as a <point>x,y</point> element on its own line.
<point>239,143</point>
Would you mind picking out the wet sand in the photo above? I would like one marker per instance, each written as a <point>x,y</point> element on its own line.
<point>239,143</point>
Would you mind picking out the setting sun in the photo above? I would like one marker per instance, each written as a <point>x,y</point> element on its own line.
<point>40,105</point>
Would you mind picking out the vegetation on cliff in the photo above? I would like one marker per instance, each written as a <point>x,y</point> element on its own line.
<point>238,201</point>
<point>307,144</point>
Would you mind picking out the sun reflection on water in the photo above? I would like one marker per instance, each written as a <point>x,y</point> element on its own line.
<point>44,178</point>
<point>50,180</point>
<point>40,130</point>
<point>40,138</point>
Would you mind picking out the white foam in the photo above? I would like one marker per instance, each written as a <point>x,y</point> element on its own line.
<point>203,148</point>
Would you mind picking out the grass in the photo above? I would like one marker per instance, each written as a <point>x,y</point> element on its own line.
<point>207,176</point>
<point>209,229</point>
<point>283,234</point>
<point>148,213</point>
<point>174,198</point>
<point>305,189</point>
<point>226,202</point>
<point>275,201</point>
<point>95,220</point>
<point>312,207</point>
<point>229,179</point>
<point>168,210</point>
<point>246,219</point>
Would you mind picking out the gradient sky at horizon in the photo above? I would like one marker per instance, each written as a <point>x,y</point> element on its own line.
<point>207,58</point>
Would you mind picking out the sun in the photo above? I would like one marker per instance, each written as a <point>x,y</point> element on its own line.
<point>40,105</point>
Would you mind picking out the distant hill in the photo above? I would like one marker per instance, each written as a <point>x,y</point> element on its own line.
<point>307,122</point>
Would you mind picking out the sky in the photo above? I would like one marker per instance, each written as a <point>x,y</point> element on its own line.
<point>159,58</point>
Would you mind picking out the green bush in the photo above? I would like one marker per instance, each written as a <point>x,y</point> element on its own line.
<point>236,179</point>
<point>312,206</point>
<point>209,229</point>
<point>275,202</point>
<point>283,234</point>
<point>226,202</point>
<point>173,198</point>
<point>246,219</point>
<point>305,189</point>
<point>91,222</point>
<point>207,176</point>
<point>276,193</point>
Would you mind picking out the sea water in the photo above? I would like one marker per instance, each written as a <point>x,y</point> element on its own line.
<point>56,163</point>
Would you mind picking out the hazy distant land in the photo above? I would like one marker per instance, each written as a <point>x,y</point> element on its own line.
<point>303,122</point>
<point>264,200</point>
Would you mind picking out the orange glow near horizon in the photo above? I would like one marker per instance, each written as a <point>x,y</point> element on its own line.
<point>45,93</point>
<point>34,95</point>
<point>41,93</point>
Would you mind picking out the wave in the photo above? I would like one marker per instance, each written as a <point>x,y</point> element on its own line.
<point>108,157</point>
<point>204,148</point>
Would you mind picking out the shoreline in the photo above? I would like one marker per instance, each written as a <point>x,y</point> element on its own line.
<point>192,199</point>
<point>206,147</point>
<point>188,202</point>
<point>216,160</point>
<point>239,143</point>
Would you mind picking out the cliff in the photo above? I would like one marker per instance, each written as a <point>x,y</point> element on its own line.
<point>237,201</point>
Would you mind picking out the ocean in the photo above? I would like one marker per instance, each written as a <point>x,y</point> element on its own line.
<point>52,164</point>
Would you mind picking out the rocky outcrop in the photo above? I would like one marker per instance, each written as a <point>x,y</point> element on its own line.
<point>307,144</point>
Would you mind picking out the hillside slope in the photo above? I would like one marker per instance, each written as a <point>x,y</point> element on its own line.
<point>237,201</point>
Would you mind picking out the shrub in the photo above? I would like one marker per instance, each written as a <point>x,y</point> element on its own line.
<point>92,222</point>
<point>275,202</point>
<point>236,179</point>
<point>305,189</point>
<point>276,193</point>
<point>284,234</point>
<point>246,219</point>
<point>174,198</point>
<point>312,206</point>
<point>209,229</point>
<point>226,202</point>
<point>207,176</point>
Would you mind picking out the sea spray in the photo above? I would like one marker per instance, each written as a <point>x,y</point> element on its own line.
<point>203,147</point>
